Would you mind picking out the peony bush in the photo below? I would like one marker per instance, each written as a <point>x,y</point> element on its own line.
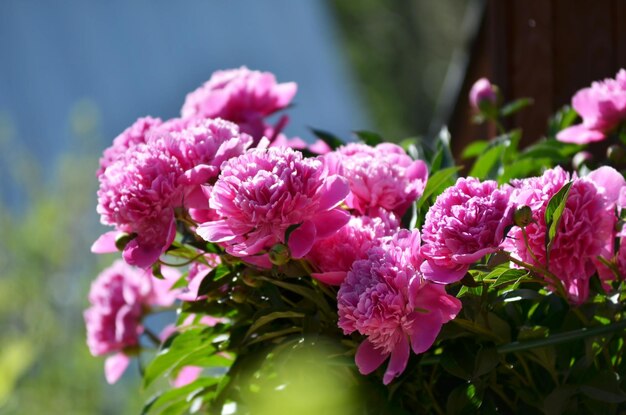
<point>407,283</point>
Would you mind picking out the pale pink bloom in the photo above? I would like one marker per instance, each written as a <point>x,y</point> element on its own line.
<point>130,137</point>
<point>482,92</point>
<point>119,298</point>
<point>467,222</point>
<point>137,195</point>
<point>334,256</point>
<point>242,96</point>
<point>602,107</point>
<point>385,298</point>
<point>380,177</point>
<point>585,231</point>
<point>261,194</point>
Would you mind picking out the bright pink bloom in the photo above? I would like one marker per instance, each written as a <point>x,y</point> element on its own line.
<point>318,147</point>
<point>119,297</point>
<point>586,228</point>
<point>262,193</point>
<point>240,95</point>
<point>467,222</point>
<point>334,256</point>
<point>380,177</point>
<point>138,194</point>
<point>602,107</point>
<point>385,298</point>
<point>482,92</point>
<point>130,137</point>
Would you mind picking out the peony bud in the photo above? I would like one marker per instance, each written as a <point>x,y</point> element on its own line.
<point>616,154</point>
<point>581,158</point>
<point>123,239</point>
<point>482,94</point>
<point>523,216</point>
<point>279,254</point>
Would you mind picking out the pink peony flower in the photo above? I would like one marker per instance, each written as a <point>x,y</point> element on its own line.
<point>130,137</point>
<point>586,228</point>
<point>385,298</point>
<point>138,194</point>
<point>119,297</point>
<point>467,222</point>
<point>482,92</point>
<point>262,193</point>
<point>602,107</point>
<point>333,256</point>
<point>197,272</point>
<point>380,177</point>
<point>240,95</point>
<point>140,190</point>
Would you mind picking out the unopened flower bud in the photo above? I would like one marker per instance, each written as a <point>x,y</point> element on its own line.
<point>279,254</point>
<point>123,239</point>
<point>616,154</point>
<point>581,158</point>
<point>250,279</point>
<point>482,95</point>
<point>239,294</point>
<point>523,216</point>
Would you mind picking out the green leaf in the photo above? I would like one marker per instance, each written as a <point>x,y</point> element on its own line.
<point>268,318</point>
<point>464,399</point>
<point>475,149</point>
<point>553,214</point>
<point>195,341</point>
<point>330,139</point>
<point>437,183</point>
<point>515,106</point>
<point>305,292</point>
<point>485,164</point>
<point>370,138</point>
<point>176,395</point>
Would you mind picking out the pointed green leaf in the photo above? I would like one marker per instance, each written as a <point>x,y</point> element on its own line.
<point>553,214</point>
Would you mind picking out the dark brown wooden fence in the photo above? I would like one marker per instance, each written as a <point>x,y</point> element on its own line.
<point>545,49</point>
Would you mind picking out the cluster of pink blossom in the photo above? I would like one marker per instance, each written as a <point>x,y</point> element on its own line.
<point>226,177</point>
<point>586,229</point>
<point>120,296</point>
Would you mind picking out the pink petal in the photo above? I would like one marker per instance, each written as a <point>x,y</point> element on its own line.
<point>196,198</point>
<point>608,181</point>
<point>114,367</point>
<point>105,244</point>
<point>198,175</point>
<point>435,273</point>
<point>301,240</point>
<point>285,93</point>
<point>398,361</point>
<point>320,147</point>
<point>336,189</point>
<point>425,329</point>
<point>261,261</point>
<point>331,277</point>
<point>186,375</point>
<point>368,358</point>
<point>329,222</point>
<point>217,231</point>
<point>140,256</point>
<point>578,134</point>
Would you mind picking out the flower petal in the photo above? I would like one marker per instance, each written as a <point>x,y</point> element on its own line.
<point>301,240</point>
<point>398,361</point>
<point>425,329</point>
<point>579,134</point>
<point>217,231</point>
<point>105,244</point>
<point>336,189</point>
<point>331,277</point>
<point>435,273</point>
<point>329,222</point>
<point>114,367</point>
<point>368,358</point>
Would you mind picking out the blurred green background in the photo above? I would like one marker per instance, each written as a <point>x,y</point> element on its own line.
<point>369,62</point>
